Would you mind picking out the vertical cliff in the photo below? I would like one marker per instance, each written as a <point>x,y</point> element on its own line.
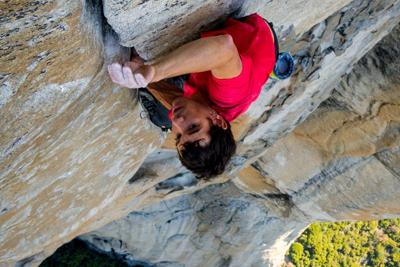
<point>76,155</point>
<point>341,163</point>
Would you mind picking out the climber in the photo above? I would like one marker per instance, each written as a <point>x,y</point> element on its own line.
<point>227,69</point>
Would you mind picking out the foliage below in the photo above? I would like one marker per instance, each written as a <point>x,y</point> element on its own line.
<point>375,243</point>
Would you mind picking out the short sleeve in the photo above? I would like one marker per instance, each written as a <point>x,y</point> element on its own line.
<point>188,90</point>
<point>229,92</point>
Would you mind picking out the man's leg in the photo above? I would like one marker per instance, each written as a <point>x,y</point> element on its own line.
<point>156,100</point>
<point>165,92</point>
<point>156,112</point>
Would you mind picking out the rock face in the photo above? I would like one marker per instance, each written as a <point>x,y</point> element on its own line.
<point>62,123</point>
<point>217,226</point>
<point>75,154</point>
<point>155,27</point>
<point>345,168</point>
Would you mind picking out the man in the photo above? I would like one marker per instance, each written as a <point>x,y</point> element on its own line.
<point>227,68</point>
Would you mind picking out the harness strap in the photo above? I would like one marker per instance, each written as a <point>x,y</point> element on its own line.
<point>276,41</point>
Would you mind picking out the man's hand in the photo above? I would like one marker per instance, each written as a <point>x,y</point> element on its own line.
<point>133,74</point>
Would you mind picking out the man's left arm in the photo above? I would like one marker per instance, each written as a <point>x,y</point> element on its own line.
<point>217,54</point>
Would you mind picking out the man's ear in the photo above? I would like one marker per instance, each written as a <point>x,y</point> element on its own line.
<point>218,120</point>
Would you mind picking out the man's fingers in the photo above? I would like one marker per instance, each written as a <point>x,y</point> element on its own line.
<point>115,71</point>
<point>135,64</point>
<point>124,76</point>
<point>139,60</point>
<point>128,76</point>
<point>136,57</point>
<point>141,81</point>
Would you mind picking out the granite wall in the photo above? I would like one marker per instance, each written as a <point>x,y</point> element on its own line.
<point>76,154</point>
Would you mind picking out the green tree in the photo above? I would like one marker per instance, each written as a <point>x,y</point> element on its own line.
<point>379,256</point>
<point>396,258</point>
<point>296,253</point>
<point>375,243</point>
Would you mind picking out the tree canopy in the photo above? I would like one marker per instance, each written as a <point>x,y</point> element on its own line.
<point>374,243</point>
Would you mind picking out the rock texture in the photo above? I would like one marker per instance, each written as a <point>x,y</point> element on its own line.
<point>217,226</point>
<point>76,155</point>
<point>156,27</point>
<point>70,140</point>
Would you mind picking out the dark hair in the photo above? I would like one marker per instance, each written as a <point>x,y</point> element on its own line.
<point>207,162</point>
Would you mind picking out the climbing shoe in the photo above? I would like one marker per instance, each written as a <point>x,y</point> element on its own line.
<point>284,67</point>
<point>154,110</point>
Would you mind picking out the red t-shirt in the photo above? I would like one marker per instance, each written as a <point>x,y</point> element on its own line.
<point>255,43</point>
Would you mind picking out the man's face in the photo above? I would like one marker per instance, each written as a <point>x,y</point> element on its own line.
<point>191,122</point>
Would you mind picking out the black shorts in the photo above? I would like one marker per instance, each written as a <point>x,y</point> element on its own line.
<point>178,81</point>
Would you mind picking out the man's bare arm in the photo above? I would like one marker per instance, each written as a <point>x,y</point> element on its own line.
<point>217,54</point>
